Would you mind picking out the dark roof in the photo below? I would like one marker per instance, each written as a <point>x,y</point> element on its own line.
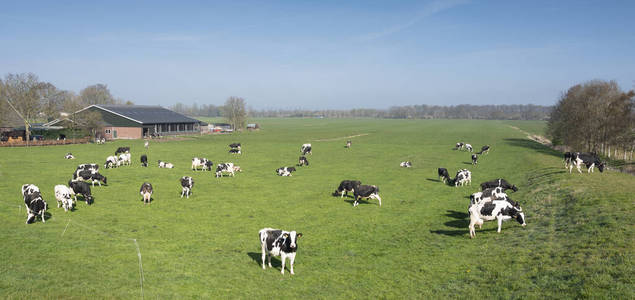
<point>146,114</point>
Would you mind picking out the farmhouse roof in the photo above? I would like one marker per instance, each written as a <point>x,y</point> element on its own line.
<point>144,114</point>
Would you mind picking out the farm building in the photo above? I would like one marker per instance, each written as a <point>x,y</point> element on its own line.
<point>138,121</point>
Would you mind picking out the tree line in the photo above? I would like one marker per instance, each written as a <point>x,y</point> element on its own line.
<point>595,116</point>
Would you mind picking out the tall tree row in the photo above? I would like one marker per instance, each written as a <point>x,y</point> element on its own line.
<point>595,116</point>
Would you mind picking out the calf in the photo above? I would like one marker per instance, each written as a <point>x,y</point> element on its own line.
<point>63,197</point>
<point>83,189</point>
<point>166,165</point>
<point>366,192</point>
<point>348,144</point>
<point>122,150</point>
<point>237,169</point>
<point>69,156</point>
<point>590,160</point>
<point>234,151</point>
<point>484,149</point>
<point>234,145</point>
<point>459,145</point>
<point>468,147</point>
<point>405,164</point>
<point>146,192</point>
<point>285,171</point>
<point>500,210</point>
<point>463,177</point>
<point>186,184</point>
<point>111,162</point>
<point>276,242</point>
<point>443,174</point>
<point>474,159</point>
<point>35,206</point>
<point>125,159</point>
<point>345,187</point>
<point>226,167</point>
<point>498,182</point>
<point>144,160</point>
<point>302,161</point>
<point>306,148</point>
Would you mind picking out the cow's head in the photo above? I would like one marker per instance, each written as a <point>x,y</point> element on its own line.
<point>89,199</point>
<point>291,169</point>
<point>516,212</point>
<point>601,166</point>
<point>376,188</point>
<point>291,239</point>
<point>105,180</point>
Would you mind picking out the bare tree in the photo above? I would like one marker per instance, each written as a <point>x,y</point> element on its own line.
<point>97,94</point>
<point>235,112</point>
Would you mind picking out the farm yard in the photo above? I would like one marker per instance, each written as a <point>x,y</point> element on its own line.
<point>578,242</point>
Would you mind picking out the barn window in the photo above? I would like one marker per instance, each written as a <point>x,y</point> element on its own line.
<point>107,131</point>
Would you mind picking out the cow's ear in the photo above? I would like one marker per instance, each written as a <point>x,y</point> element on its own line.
<point>286,235</point>
<point>299,234</point>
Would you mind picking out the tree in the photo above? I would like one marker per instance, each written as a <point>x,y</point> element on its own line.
<point>235,112</point>
<point>22,92</point>
<point>97,94</point>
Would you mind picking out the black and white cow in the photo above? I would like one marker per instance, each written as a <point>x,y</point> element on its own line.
<point>29,189</point>
<point>63,196</point>
<point>500,210</point>
<point>498,182</point>
<point>208,165</point>
<point>111,162</point>
<point>276,242</point>
<point>302,161</point>
<point>83,189</point>
<point>306,148</point>
<point>496,193</point>
<point>568,159</point>
<point>348,144</point>
<point>590,160</point>
<point>234,145</point>
<point>285,171</point>
<point>199,162</point>
<point>345,187</point>
<point>443,174</point>
<point>166,165</point>
<point>144,160</point>
<point>226,167</point>
<point>146,192</point>
<point>94,167</point>
<point>35,205</point>
<point>89,175</point>
<point>459,145</point>
<point>474,159</point>
<point>234,151</point>
<point>463,177</point>
<point>366,192</point>
<point>122,150</point>
<point>468,147</point>
<point>186,184</point>
<point>405,164</point>
<point>125,159</point>
<point>484,149</point>
<point>69,156</point>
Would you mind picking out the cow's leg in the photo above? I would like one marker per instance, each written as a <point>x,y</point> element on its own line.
<point>42,216</point>
<point>182,192</point>
<point>342,194</point>
<point>291,260</point>
<point>28,217</point>
<point>283,257</point>
<point>500,223</point>
<point>264,255</point>
<point>378,198</point>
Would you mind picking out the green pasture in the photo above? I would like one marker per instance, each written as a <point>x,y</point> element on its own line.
<point>578,242</point>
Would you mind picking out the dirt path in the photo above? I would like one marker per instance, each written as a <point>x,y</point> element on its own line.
<point>340,138</point>
<point>534,137</point>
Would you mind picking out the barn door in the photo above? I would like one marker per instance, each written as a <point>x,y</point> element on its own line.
<point>114,134</point>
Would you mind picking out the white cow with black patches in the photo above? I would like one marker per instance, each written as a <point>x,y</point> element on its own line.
<point>63,195</point>
<point>500,210</point>
<point>276,242</point>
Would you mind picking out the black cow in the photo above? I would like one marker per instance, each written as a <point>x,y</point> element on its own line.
<point>276,242</point>
<point>366,192</point>
<point>208,165</point>
<point>144,160</point>
<point>235,145</point>
<point>234,151</point>
<point>83,189</point>
<point>35,206</point>
<point>146,192</point>
<point>590,160</point>
<point>302,161</point>
<point>443,174</point>
<point>498,182</point>
<point>186,184</point>
<point>122,150</point>
<point>345,187</point>
<point>484,149</point>
<point>474,159</point>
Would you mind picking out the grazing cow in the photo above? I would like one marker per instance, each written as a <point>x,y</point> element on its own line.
<point>200,162</point>
<point>146,192</point>
<point>474,159</point>
<point>35,206</point>
<point>144,160</point>
<point>93,167</point>
<point>111,162</point>
<point>63,197</point>
<point>186,184</point>
<point>459,145</point>
<point>285,171</point>
<point>366,192</point>
<point>405,164</point>
<point>348,144</point>
<point>166,165</point>
<point>87,175</point>
<point>226,167</point>
<point>345,187</point>
<point>443,174</point>
<point>498,182</point>
<point>69,156</point>
<point>468,147</point>
<point>29,189</point>
<point>83,189</point>
<point>495,193</point>
<point>484,149</point>
<point>208,165</point>
<point>276,242</point>
<point>302,161</point>
<point>125,159</point>
<point>306,148</point>
<point>122,150</point>
<point>234,151</point>
<point>463,177</point>
<point>568,159</point>
<point>146,144</point>
<point>500,210</point>
<point>590,160</point>
<point>234,145</point>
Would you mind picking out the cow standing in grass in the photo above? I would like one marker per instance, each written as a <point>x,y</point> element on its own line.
<point>276,242</point>
<point>144,160</point>
<point>345,187</point>
<point>306,148</point>
<point>366,192</point>
<point>500,210</point>
<point>63,196</point>
<point>225,168</point>
<point>186,186</point>
<point>35,204</point>
<point>484,150</point>
<point>146,191</point>
<point>474,159</point>
<point>499,182</point>
<point>348,144</point>
<point>83,189</point>
<point>302,161</point>
<point>443,174</point>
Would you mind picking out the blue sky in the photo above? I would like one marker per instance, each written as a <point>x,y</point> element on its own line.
<point>322,54</point>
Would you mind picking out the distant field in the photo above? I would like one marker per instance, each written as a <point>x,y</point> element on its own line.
<point>578,242</point>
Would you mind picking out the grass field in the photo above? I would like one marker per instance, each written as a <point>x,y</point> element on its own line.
<point>578,242</point>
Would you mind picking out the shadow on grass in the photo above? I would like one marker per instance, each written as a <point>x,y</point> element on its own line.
<point>257,258</point>
<point>533,145</point>
<point>361,201</point>
<point>467,163</point>
<point>433,180</point>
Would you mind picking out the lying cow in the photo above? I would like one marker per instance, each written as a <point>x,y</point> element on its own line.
<point>498,182</point>
<point>405,164</point>
<point>146,192</point>
<point>122,150</point>
<point>63,195</point>
<point>285,171</point>
<point>345,187</point>
<point>224,168</point>
<point>463,177</point>
<point>69,156</point>
<point>144,160</point>
<point>166,165</point>
<point>590,160</point>
<point>237,169</point>
<point>186,186</point>
<point>276,242</point>
<point>35,205</point>
<point>500,210</point>
<point>484,149</point>
<point>234,151</point>
<point>302,161</point>
<point>443,174</point>
<point>474,159</point>
<point>83,189</point>
<point>234,145</point>
<point>366,192</point>
<point>306,148</point>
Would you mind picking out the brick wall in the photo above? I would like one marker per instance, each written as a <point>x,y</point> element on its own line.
<point>122,132</point>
